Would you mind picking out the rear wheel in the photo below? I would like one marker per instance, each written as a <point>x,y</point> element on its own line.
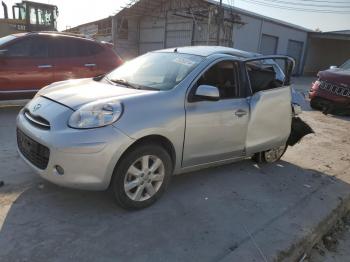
<point>141,176</point>
<point>270,156</point>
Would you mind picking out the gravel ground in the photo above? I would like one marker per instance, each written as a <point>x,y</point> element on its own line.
<point>335,246</point>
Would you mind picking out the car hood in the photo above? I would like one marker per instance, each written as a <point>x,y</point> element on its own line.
<point>336,76</point>
<point>76,93</point>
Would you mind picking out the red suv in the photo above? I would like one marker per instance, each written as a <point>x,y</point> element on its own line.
<point>30,61</point>
<point>331,92</point>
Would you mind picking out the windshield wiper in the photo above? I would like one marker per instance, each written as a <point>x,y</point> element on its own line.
<point>99,77</point>
<point>124,83</point>
<point>130,85</point>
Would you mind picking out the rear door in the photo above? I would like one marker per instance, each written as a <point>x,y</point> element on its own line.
<point>270,104</point>
<point>25,68</point>
<point>106,58</point>
<point>73,58</point>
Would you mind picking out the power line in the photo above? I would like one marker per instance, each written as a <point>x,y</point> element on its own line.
<point>283,7</point>
<point>307,4</point>
<point>323,1</point>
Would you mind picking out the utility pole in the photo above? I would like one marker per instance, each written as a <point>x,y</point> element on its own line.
<point>219,23</point>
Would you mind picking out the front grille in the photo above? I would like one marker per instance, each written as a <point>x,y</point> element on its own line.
<point>36,153</point>
<point>37,121</point>
<point>335,89</point>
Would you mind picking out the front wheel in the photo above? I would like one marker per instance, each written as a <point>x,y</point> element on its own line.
<point>141,176</point>
<point>270,156</point>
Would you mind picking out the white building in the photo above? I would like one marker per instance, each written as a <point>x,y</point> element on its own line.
<point>146,25</point>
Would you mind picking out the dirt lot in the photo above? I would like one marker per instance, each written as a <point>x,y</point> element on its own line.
<point>238,212</point>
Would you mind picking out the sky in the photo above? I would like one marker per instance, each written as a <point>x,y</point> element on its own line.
<point>75,12</point>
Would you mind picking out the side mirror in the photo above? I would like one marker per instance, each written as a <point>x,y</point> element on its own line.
<point>206,92</point>
<point>3,52</point>
<point>333,67</point>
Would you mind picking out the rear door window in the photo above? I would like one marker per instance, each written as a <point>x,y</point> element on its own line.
<point>64,47</point>
<point>90,48</point>
<point>29,47</point>
<point>266,74</point>
<point>74,47</point>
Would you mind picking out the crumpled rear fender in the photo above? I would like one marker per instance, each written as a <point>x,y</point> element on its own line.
<point>298,131</point>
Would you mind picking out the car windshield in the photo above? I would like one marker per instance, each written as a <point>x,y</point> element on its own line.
<point>5,39</point>
<point>346,65</point>
<point>159,71</point>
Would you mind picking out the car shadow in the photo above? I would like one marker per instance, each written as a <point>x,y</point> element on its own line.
<point>203,216</point>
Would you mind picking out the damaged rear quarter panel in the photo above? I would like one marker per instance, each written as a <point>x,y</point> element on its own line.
<point>270,120</point>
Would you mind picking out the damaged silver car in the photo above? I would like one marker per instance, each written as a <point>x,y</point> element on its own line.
<point>163,113</point>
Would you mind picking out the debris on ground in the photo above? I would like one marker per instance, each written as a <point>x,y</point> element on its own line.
<point>330,241</point>
<point>41,186</point>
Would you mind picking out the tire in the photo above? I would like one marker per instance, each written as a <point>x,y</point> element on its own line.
<point>315,104</point>
<point>133,178</point>
<point>321,104</point>
<point>270,156</point>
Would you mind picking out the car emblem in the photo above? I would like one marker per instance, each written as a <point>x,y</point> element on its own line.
<point>36,107</point>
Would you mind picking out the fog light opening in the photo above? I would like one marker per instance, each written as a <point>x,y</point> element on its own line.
<point>59,170</point>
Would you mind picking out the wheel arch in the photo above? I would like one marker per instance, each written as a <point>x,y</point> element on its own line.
<point>152,139</point>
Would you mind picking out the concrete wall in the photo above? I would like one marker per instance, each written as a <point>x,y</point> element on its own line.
<point>322,53</point>
<point>246,37</point>
<point>151,34</point>
<point>127,48</point>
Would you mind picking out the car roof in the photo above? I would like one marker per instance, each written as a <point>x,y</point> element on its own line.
<point>211,50</point>
<point>53,33</point>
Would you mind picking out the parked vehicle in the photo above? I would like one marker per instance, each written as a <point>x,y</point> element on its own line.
<point>30,61</point>
<point>163,113</point>
<point>331,92</point>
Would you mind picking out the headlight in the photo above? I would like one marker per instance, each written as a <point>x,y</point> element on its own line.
<point>96,114</point>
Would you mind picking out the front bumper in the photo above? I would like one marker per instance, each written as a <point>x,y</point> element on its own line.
<point>336,100</point>
<point>88,157</point>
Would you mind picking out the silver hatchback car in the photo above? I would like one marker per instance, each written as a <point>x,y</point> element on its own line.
<point>166,112</point>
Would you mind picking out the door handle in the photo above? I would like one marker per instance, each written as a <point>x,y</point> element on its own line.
<point>44,66</point>
<point>90,65</point>
<point>240,113</point>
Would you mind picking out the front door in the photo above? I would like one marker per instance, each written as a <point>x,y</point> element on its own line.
<point>216,130</point>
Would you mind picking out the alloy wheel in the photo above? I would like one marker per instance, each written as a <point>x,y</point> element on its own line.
<point>144,178</point>
<point>275,154</point>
